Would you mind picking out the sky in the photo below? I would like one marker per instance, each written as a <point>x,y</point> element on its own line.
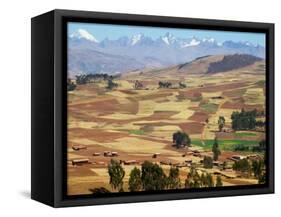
<point>110,31</point>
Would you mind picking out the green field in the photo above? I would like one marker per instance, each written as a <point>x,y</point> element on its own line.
<point>223,144</point>
<point>209,107</point>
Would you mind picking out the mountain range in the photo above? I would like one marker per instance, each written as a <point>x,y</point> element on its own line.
<point>88,55</point>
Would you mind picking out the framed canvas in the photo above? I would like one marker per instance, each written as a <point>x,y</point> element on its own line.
<point>134,108</point>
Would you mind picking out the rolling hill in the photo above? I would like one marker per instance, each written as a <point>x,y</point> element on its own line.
<point>208,65</point>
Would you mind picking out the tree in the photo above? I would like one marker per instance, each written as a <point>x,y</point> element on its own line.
<point>207,162</point>
<point>70,85</point>
<point>221,123</point>
<point>216,150</point>
<point>164,84</point>
<point>219,182</point>
<point>181,139</point>
<point>257,167</point>
<point>135,183</point>
<point>242,166</point>
<point>193,179</point>
<point>111,85</point>
<point>173,180</point>
<point>153,177</point>
<point>116,173</point>
<point>82,79</point>
<point>262,178</point>
<point>209,180</point>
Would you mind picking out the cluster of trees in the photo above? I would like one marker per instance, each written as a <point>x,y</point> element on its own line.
<point>70,85</point>
<point>181,139</point>
<point>164,84</point>
<point>195,180</point>
<point>87,78</point>
<point>151,177</point>
<point>116,174</point>
<point>259,148</point>
<point>167,84</point>
<point>243,166</point>
<point>255,167</point>
<point>244,120</point>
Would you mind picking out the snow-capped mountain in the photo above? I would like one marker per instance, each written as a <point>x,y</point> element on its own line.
<point>143,51</point>
<point>193,42</point>
<point>83,34</point>
<point>169,39</point>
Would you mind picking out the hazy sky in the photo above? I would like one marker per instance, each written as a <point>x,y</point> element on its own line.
<point>101,31</point>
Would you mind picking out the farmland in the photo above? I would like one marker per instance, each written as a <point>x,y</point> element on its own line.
<point>137,123</point>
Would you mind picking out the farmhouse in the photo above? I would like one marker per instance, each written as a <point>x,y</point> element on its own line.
<point>130,162</point>
<point>253,157</point>
<point>107,154</point>
<point>78,147</point>
<point>80,161</point>
<point>217,163</point>
<point>155,155</point>
<point>110,154</point>
<point>114,154</point>
<point>237,157</point>
<point>227,130</point>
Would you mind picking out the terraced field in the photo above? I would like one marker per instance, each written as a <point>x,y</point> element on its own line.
<point>136,123</point>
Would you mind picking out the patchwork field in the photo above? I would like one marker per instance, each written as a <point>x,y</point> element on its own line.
<point>138,123</point>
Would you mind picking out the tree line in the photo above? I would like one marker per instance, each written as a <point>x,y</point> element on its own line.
<point>87,78</point>
<point>255,167</point>
<point>151,177</point>
<point>244,120</point>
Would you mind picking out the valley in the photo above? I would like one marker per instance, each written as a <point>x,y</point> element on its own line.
<point>134,120</point>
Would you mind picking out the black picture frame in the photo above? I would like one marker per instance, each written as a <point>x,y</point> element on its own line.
<point>49,111</point>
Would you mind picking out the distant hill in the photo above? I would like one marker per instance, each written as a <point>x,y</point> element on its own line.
<point>218,63</point>
<point>206,65</point>
<point>231,62</point>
